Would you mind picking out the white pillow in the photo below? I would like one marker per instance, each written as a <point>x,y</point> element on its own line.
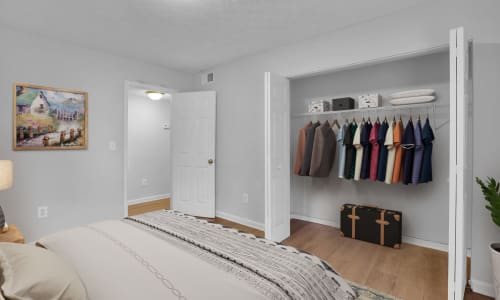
<point>413,93</point>
<point>412,100</point>
<point>29,272</point>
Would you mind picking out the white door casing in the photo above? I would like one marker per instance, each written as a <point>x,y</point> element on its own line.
<point>193,153</point>
<point>277,157</point>
<point>459,117</point>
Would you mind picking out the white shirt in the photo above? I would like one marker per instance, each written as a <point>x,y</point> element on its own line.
<point>356,142</point>
<point>391,152</point>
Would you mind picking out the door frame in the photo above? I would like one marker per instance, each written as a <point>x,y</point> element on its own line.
<point>129,85</point>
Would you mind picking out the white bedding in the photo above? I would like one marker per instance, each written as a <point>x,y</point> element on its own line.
<point>124,260</point>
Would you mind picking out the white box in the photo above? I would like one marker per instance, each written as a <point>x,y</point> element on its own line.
<point>369,100</point>
<point>319,106</point>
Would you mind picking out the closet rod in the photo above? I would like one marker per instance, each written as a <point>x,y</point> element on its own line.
<point>374,109</point>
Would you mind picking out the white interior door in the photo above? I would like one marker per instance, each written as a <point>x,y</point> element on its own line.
<point>459,117</point>
<point>277,162</point>
<point>193,153</point>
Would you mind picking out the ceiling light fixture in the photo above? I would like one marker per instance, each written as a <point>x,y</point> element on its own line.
<point>155,96</point>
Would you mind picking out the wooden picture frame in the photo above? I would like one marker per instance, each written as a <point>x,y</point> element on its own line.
<point>47,118</point>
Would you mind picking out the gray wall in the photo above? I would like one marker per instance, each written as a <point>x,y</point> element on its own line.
<point>148,147</point>
<point>424,206</point>
<point>485,160</point>
<point>78,186</point>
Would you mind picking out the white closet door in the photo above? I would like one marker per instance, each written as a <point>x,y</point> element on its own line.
<point>277,161</point>
<point>457,255</point>
<point>193,149</point>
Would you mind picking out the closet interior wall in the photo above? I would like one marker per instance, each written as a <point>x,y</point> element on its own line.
<point>424,206</point>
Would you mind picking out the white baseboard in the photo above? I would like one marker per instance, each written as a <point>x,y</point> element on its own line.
<point>406,239</point>
<point>240,220</point>
<point>315,220</point>
<point>148,199</point>
<point>483,288</point>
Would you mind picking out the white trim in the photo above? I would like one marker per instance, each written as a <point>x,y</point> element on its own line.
<point>240,220</point>
<point>148,199</point>
<point>315,220</point>
<point>483,288</point>
<point>267,154</point>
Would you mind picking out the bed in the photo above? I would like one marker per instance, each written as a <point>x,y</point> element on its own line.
<point>170,255</point>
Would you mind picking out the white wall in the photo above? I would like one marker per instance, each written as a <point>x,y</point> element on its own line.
<point>148,148</point>
<point>321,198</point>
<point>240,140</point>
<point>77,186</point>
<point>485,162</point>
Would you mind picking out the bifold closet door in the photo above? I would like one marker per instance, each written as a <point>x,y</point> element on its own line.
<point>277,157</point>
<point>193,153</point>
<point>459,118</point>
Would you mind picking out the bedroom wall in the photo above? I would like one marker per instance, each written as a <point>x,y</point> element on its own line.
<point>485,113</point>
<point>321,198</point>
<point>148,148</point>
<point>77,186</point>
<point>240,88</point>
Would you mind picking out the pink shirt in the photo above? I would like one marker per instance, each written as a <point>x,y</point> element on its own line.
<point>375,150</point>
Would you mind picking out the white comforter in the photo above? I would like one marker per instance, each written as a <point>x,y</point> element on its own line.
<point>122,260</point>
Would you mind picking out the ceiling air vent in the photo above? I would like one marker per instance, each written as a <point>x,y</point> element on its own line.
<point>207,78</point>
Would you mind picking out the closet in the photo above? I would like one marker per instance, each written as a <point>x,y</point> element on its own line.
<point>433,212</point>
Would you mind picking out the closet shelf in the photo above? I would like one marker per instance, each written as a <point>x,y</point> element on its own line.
<point>432,106</point>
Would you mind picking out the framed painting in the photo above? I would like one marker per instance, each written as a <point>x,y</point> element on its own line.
<point>48,118</point>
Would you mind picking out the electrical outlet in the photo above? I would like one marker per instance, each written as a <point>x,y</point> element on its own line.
<point>244,199</point>
<point>112,146</point>
<point>43,212</point>
<point>144,182</point>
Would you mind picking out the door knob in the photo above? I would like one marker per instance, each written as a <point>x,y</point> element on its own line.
<point>210,161</point>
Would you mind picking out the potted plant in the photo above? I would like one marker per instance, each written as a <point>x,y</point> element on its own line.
<point>492,196</point>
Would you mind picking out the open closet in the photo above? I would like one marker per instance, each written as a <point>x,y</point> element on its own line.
<point>433,208</point>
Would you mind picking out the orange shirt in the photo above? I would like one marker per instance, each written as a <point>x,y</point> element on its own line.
<point>398,137</point>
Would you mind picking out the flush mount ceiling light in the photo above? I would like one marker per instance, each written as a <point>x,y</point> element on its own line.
<point>154,95</point>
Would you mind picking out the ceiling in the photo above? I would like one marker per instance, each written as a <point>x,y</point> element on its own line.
<point>189,35</point>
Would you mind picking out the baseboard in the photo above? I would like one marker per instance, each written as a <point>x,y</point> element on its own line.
<point>147,199</point>
<point>315,220</point>
<point>240,220</point>
<point>406,239</point>
<point>424,243</point>
<point>483,288</point>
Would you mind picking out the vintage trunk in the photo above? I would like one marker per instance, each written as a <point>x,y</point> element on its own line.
<point>372,224</point>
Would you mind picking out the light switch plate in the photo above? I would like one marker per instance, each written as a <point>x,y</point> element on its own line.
<point>43,212</point>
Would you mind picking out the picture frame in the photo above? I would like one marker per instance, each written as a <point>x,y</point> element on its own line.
<point>47,118</point>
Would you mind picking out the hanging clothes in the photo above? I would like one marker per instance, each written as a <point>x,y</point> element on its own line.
<point>350,152</point>
<point>299,152</point>
<point>359,152</point>
<point>382,159</point>
<point>306,164</point>
<point>427,138</point>
<point>375,150</point>
<point>408,146</point>
<point>419,152</point>
<point>323,152</point>
<point>398,159</point>
<point>341,146</point>
<point>367,149</point>
<point>391,153</point>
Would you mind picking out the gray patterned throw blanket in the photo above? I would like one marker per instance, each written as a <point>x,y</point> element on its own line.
<point>275,270</point>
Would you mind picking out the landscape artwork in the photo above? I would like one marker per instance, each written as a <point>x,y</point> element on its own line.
<point>49,119</point>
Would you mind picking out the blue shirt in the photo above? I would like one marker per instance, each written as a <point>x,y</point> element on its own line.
<point>367,150</point>
<point>427,138</point>
<point>382,156</point>
<point>408,146</point>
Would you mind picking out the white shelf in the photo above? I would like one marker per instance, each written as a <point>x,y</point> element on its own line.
<point>374,109</point>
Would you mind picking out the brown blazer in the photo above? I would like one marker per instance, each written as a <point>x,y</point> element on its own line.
<point>299,153</point>
<point>324,148</point>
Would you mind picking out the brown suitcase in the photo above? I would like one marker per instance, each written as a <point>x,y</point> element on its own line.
<point>372,224</point>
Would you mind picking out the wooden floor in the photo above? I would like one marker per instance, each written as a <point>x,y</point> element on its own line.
<point>409,273</point>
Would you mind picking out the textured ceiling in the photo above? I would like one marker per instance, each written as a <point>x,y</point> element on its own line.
<point>189,35</point>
